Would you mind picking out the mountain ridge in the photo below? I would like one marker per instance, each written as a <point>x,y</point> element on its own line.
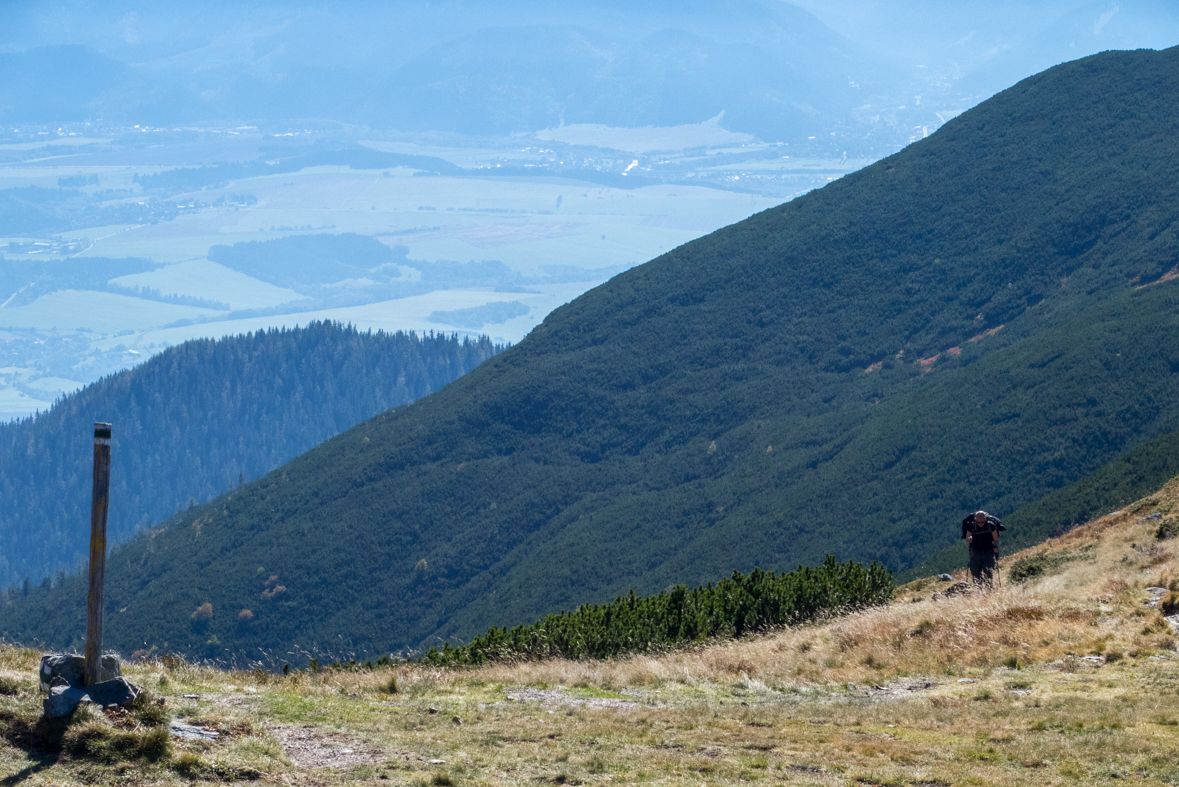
<point>800,383</point>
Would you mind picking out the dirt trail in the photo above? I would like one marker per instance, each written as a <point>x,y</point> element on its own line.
<point>313,747</point>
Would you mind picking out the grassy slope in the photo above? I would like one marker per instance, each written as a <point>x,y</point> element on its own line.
<point>709,411</point>
<point>1121,481</point>
<point>1069,678</point>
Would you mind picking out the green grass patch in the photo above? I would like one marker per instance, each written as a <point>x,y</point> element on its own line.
<point>95,740</point>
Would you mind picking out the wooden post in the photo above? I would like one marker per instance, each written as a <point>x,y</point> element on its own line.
<point>98,508</point>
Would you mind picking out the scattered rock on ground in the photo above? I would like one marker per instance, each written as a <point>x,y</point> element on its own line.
<point>957,589</point>
<point>561,697</point>
<point>902,687</point>
<point>192,732</point>
<point>1156,596</point>
<point>945,577</point>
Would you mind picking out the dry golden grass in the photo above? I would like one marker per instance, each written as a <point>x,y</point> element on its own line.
<point>1068,678</point>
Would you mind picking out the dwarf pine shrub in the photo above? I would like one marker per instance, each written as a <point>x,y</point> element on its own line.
<point>734,607</point>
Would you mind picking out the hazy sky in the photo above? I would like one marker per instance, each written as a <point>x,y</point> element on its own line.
<point>475,66</point>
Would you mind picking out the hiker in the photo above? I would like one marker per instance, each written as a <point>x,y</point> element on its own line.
<point>981,531</point>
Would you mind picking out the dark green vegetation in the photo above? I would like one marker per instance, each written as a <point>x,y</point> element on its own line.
<point>965,324</point>
<point>32,210</point>
<point>197,419</point>
<point>1166,530</point>
<point>308,263</point>
<point>731,608</point>
<point>495,313</point>
<point>312,259</point>
<point>315,265</point>
<point>1130,477</point>
<point>281,160</point>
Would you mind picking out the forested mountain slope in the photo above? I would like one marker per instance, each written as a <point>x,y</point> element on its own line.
<point>975,321</point>
<point>191,422</point>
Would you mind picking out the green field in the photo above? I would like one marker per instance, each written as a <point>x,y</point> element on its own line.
<point>99,312</point>
<point>202,278</point>
<point>513,220</point>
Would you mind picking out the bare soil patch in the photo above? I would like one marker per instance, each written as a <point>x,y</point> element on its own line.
<point>564,698</point>
<point>314,747</point>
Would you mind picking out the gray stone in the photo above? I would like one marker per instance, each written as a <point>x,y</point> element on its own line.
<point>112,692</point>
<point>73,669</point>
<point>63,697</point>
<point>62,700</point>
<point>190,732</point>
<point>945,577</point>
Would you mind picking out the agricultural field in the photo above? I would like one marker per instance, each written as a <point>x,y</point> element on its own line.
<point>576,205</point>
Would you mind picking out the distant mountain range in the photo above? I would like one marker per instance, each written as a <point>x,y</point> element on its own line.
<point>199,419</point>
<point>974,322</point>
<point>869,70</point>
<point>467,67</point>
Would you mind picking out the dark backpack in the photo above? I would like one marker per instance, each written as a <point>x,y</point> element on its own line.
<point>992,524</point>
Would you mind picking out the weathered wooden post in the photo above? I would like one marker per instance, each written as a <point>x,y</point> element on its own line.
<point>98,508</point>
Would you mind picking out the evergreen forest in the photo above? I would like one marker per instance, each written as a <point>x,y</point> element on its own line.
<point>196,420</point>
